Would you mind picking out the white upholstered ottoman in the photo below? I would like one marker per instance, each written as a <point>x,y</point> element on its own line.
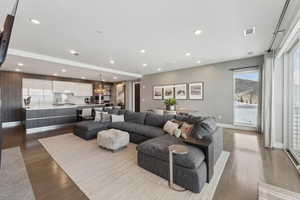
<point>113,139</point>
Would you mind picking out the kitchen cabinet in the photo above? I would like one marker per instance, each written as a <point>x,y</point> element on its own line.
<point>83,89</point>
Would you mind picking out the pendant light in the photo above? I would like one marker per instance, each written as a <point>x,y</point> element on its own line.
<point>100,87</point>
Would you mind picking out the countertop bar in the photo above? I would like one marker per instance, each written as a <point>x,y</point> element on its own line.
<point>63,106</point>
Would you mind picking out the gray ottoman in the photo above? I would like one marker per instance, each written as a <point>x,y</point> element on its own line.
<point>113,139</point>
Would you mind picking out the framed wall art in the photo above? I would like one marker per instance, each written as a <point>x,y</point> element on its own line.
<point>196,90</point>
<point>157,92</point>
<point>180,91</point>
<point>168,92</point>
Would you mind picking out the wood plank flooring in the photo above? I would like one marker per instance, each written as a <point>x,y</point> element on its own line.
<point>249,163</point>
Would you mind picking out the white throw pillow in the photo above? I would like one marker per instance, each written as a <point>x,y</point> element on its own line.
<point>98,116</point>
<point>170,127</point>
<point>117,118</point>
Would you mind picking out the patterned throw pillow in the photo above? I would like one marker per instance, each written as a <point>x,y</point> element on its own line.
<point>186,130</point>
<point>170,127</point>
<point>98,116</point>
<point>177,122</point>
<point>106,117</point>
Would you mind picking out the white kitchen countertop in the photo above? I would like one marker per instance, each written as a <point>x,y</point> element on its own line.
<point>61,107</point>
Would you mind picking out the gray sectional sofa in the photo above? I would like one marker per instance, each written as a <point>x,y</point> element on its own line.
<point>192,170</point>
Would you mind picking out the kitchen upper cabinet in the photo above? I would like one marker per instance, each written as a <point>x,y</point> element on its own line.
<point>83,89</point>
<point>78,89</point>
<point>36,87</point>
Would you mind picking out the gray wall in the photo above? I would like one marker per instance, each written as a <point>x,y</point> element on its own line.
<point>218,87</point>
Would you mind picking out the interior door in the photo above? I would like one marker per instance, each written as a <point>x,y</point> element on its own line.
<point>137,93</point>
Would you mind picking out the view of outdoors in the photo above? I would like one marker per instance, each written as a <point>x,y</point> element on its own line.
<point>246,98</point>
<point>295,96</point>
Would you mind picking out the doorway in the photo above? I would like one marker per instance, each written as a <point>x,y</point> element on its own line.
<point>136,97</point>
<point>246,98</point>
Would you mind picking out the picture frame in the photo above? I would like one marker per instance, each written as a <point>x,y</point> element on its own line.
<point>168,92</point>
<point>196,91</point>
<point>158,92</point>
<point>180,91</point>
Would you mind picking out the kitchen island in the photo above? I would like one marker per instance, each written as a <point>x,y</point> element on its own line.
<point>44,118</point>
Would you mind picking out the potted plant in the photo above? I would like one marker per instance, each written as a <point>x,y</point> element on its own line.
<point>170,104</point>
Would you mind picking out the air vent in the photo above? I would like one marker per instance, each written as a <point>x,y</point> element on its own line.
<point>249,31</point>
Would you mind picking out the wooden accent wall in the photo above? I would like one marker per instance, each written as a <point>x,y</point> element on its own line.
<point>11,94</point>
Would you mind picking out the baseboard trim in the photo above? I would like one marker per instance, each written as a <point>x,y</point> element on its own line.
<point>231,126</point>
<point>11,124</point>
<point>270,192</point>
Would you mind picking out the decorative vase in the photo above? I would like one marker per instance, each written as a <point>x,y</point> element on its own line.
<point>172,108</point>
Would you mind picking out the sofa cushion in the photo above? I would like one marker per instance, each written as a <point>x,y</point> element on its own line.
<point>206,127</point>
<point>157,120</point>
<point>158,148</point>
<point>148,131</point>
<point>90,125</point>
<point>188,118</point>
<point>135,117</point>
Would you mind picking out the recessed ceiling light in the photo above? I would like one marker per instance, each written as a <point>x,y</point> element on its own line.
<point>82,77</point>
<point>198,32</point>
<point>74,52</point>
<point>99,32</point>
<point>112,62</point>
<point>143,51</point>
<point>34,21</point>
<point>20,64</point>
<point>55,74</point>
<point>249,31</point>
<point>159,69</point>
<point>63,70</point>
<point>145,65</point>
<point>188,54</point>
<point>199,61</point>
<point>17,70</point>
<point>115,77</point>
<point>250,53</point>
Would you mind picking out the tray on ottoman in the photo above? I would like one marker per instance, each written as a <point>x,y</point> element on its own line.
<point>113,139</point>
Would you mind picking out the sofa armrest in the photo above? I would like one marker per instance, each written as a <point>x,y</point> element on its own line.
<point>207,146</point>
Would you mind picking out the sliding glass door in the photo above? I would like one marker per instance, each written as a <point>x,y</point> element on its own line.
<point>294,102</point>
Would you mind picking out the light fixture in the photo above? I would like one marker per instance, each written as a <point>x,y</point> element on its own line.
<point>199,61</point>
<point>249,31</point>
<point>63,70</point>
<point>250,53</point>
<point>100,87</point>
<point>198,32</point>
<point>55,74</point>
<point>34,21</point>
<point>112,62</point>
<point>187,54</point>
<point>74,52</point>
<point>143,51</point>
<point>115,77</point>
<point>159,69</point>
<point>82,77</point>
<point>20,64</point>
<point>17,70</point>
<point>145,65</point>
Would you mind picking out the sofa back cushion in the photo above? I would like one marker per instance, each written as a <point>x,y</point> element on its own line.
<point>135,117</point>
<point>157,120</point>
<point>206,127</point>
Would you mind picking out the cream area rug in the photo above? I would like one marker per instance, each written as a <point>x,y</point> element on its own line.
<point>101,174</point>
<point>14,181</point>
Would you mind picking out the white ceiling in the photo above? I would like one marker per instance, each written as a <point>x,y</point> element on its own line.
<point>164,28</point>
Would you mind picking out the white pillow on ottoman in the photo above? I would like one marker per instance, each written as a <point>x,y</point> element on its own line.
<point>170,127</point>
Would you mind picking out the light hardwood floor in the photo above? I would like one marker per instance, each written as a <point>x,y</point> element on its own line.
<point>249,163</point>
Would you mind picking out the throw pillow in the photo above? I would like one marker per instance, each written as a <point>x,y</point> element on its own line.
<point>177,122</point>
<point>117,118</point>
<point>98,116</point>
<point>177,133</point>
<point>106,117</point>
<point>170,127</point>
<point>186,130</point>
